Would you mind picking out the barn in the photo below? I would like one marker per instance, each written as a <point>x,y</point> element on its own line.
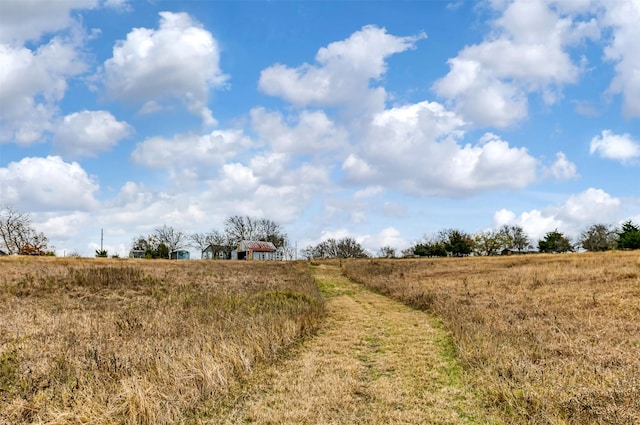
<point>256,250</point>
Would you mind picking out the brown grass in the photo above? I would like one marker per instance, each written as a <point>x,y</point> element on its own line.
<point>373,361</point>
<point>549,339</point>
<point>140,342</point>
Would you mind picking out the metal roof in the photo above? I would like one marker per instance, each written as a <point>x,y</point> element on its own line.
<point>259,246</point>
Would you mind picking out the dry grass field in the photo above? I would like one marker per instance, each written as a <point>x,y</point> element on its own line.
<point>107,341</point>
<point>547,339</point>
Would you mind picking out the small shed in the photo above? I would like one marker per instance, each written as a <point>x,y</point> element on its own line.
<point>136,253</point>
<point>257,250</point>
<point>180,254</point>
<point>2,253</point>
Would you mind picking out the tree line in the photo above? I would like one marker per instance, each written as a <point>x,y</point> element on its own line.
<point>18,236</point>
<point>513,239</point>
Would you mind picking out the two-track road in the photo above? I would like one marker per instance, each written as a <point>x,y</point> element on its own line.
<point>375,361</point>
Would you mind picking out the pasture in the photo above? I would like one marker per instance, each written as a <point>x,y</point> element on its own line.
<point>546,339</point>
<point>106,341</point>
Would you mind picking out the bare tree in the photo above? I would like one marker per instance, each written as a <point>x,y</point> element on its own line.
<point>200,240</point>
<point>331,248</point>
<point>217,240</point>
<point>239,228</point>
<point>172,238</point>
<point>17,236</point>
<point>387,252</point>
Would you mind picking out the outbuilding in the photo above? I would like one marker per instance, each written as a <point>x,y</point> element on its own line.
<point>180,254</point>
<point>257,250</point>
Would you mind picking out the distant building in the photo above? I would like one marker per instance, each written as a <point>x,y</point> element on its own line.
<point>136,253</point>
<point>246,250</point>
<point>256,250</point>
<point>2,253</point>
<point>215,252</point>
<point>180,254</point>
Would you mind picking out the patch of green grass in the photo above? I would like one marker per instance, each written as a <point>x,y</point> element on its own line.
<point>9,368</point>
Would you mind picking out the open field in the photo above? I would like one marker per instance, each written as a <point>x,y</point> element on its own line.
<point>132,341</point>
<point>547,339</point>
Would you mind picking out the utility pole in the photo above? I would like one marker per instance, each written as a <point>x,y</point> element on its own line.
<point>101,238</point>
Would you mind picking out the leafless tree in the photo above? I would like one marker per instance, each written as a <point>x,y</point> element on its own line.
<point>17,236</point>
<point>216,239</point>
<point>387,252</point>
<point>238,228</point>
<point>331,248</point>
<point>172,238</point>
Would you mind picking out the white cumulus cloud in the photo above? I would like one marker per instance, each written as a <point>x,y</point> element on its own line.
<point>575,215</point>
<point>32,82</point>
<point>43,184</point>
<point>415,147</point>
<point>307,132</point>
<point>624,17</point>
<point>343,71</point>
<point>190,151</point>
<point>178,61</point>
<point>488,83</point>
<point>619,147</point>
<point>28,20</point>
<point>562,168</point>
<point>88,133</point>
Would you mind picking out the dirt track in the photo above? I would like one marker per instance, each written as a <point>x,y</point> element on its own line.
<point>375,361</point>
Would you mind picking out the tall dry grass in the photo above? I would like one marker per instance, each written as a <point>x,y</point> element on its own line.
<point>549,339</point>
<point>140,342</point>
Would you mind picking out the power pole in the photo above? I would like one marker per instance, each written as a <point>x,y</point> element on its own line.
<point>101,238</point>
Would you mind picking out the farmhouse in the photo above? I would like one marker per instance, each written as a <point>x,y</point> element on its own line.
<point>255,250</point>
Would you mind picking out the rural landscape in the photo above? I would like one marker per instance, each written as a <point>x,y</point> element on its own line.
<point>543,339</point>
<point>365,212</point>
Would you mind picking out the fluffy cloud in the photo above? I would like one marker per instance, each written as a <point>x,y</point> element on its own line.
<point>87,133</point>
<point>42,184</point>
<point>32,83</point>
<point>562,168</point>
<point>28,20</point>
<point>577,213</point>
<point>188,151</point>
<point>343,72</point>
<point>488,82</point>
<point>180,60</point>
<point>623,18</point>
<point>614,146</point>
<point>415,147</point>
<point>386,237</point>
<point>309,132</point>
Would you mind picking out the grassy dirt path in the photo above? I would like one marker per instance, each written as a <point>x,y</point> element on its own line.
<point>374,361</point>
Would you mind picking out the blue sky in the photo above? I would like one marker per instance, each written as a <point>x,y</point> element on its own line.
<point>385,121</point>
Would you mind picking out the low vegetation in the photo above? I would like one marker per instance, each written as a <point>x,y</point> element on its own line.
<point>548,339</point>
<point>132,341</point>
